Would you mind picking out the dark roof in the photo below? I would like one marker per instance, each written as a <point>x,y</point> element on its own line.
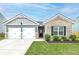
<point>40,22</point>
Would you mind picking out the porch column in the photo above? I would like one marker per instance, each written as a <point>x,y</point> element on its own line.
<point>6,32</point>
<point>36,32</point>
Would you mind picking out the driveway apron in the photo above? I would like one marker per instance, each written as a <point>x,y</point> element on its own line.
<point>14,46</point>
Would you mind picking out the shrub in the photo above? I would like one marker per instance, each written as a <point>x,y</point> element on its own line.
<point>55,38</point>
<point>64,38</point>
<point>72,37</point>
<point>51,38</point>
<point>47,37</point>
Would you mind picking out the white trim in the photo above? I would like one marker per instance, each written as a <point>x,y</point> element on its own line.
<point>64,17</point>
<point>22,15</point>
<point>58,31</point>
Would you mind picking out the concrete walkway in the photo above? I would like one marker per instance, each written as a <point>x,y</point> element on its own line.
<point>14,46</point>
<point>40,39</point>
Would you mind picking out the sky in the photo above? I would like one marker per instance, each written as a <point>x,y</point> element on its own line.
<point>40,11</point>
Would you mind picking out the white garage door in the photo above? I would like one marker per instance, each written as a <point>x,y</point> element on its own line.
<point>14,33</point>
<point>28,33</point>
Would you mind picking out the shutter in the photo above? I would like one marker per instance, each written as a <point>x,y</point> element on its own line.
<point>51,30</point>
<point>64,30</point>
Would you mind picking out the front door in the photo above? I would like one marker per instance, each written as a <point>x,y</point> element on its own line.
<point>41,31</point>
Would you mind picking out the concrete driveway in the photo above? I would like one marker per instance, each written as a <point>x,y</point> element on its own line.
<point>14,46</point>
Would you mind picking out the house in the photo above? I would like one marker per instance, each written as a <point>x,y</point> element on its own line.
<point>2,20</point>
<point>59,25</point>
<point>22,27</point>
<point>75,27</point>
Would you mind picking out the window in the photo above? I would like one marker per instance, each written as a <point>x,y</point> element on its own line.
<point>59,30</point>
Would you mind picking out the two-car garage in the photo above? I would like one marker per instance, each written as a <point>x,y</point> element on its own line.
<point>21,27</point>
<point>18,33</point>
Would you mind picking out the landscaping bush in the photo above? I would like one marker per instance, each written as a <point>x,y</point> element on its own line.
<point>72,37</point>
<point>56,38</point>
<point>47,37</point>
<point>51,38</point>
<point>64,38</point>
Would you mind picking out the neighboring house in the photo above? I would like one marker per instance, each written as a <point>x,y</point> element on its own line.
<point>76,25</point>
<point>2,20</point>
<point>75,28</point>
<point>21,27</point>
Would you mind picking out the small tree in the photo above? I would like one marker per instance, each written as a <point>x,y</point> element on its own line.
<point>47,37</point>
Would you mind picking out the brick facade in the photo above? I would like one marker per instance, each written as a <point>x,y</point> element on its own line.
<point>58,21</point>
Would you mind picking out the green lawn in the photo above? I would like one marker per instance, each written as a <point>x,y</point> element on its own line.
<point>44,48</point>
<point>2,36</point>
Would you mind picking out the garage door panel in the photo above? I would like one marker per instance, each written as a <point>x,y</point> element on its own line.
<point>14,33</point>
<point>28,33</point>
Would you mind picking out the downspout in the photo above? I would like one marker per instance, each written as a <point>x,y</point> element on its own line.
<point>21,30</point>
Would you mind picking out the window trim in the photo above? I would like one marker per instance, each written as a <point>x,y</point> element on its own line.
<point>58,34</point>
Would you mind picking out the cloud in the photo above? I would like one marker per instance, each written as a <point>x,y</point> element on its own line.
<point>44,6</point>
<point>1,9</point>
<point>69,9</point>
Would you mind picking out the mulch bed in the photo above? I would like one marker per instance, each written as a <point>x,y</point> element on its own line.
<point>76,41</point>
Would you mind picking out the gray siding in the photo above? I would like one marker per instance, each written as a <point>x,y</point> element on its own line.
<point>18,22</point>
<point>2,28</point>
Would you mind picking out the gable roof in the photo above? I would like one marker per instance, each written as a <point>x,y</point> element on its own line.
<point>77,19</point>
<point>20,16</point>
<point>62,16</point>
